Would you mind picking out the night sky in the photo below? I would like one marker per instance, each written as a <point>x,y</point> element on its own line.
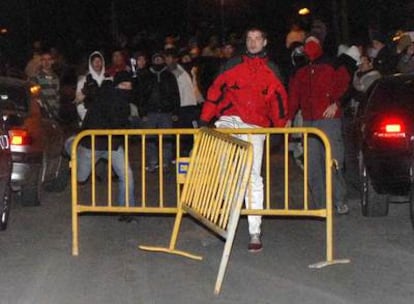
<point>69,24</point>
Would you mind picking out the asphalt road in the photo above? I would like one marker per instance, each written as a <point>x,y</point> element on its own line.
<point>36,265</point>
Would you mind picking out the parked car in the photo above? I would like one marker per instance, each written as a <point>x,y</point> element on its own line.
<point>386,140</point>
<point>5,174</point>
<point>36,141</point>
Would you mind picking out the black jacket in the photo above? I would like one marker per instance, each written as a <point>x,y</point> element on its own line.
<point>140,87</point>
<point>109,109</point>
<point>385,62</point>
<point>160,93</point>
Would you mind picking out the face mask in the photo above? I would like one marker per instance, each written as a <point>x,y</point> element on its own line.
<point>158,67</point>
<point>125,94</point>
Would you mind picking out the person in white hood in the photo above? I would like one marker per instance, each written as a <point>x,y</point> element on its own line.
<point>96,73</point>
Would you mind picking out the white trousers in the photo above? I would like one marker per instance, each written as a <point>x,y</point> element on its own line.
<point>254,194</point>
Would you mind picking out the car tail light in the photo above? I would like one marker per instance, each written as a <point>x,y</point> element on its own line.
<point>391,129</point>
<point>19,137</point>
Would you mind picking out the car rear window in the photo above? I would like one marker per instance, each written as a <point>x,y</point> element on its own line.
<point>388,95</point>
<point>13,97</point>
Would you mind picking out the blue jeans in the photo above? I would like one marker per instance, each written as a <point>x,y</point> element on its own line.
<point>159,121</point>
<point>316,158</point>
<point>84,156</point>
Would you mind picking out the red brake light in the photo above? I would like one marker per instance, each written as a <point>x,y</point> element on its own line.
<point>391,128</point>
<point>19,137</point>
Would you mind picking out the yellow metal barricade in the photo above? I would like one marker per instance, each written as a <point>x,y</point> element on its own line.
<point>87,199</point>
<point>214,190</point>
<point>155,192</point>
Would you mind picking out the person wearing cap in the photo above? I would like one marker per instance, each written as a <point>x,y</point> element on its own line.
<point>249,94</point>
<point>159,109</point>
<point>316,89</point>
<point>384,59</point>
<point>108,110</point>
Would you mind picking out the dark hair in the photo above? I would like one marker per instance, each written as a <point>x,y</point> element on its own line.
<point>171,52</point>
<point>227,43</point>
<point>140,54</point>
<point>45,52</point>
<point>96,56</point>
<point>256,29</point>
<point>118,50</point>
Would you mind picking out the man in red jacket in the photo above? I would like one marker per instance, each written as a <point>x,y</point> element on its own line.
<point>249,94</point>
<point>317,89</point>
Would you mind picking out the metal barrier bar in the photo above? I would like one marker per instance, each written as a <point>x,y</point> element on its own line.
<point>160,169</point>
<point>286,160</point>
<point>109,198</point>
<point>306,172</point>
<point>93,172</point>
<point>126,162</point>
<point>143,173</point>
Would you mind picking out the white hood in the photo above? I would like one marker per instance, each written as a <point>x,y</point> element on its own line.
<point>99,77</point>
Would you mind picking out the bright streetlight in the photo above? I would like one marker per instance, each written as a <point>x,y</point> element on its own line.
<point>304,11</point>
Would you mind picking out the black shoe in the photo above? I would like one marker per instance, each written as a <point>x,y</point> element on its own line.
<point>125,218</point>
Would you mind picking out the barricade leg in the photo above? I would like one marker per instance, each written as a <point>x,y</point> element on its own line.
<point>171,249</point>
<point>329,246</point>
<point>329,222</point>
<point>75,218</point>
<point>232,227</point>
<point>75,233</point>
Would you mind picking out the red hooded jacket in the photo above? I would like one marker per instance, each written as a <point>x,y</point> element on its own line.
<point>316,86</point>
<point>251,90</point>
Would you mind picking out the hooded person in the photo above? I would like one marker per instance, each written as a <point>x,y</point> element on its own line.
<point>316,89</point>
<point>346,65</point>
<point>109,109</point>
<point>87,84</point>
<point>158,65</point>
<point>159,108</point>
